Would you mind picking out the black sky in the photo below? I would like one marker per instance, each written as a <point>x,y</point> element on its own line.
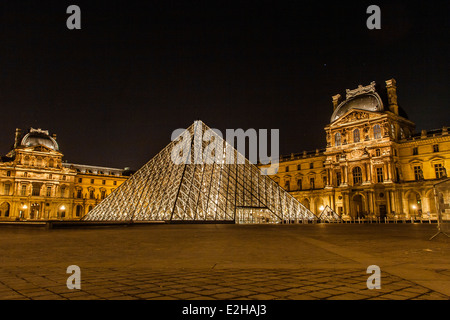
<point>116,89</point>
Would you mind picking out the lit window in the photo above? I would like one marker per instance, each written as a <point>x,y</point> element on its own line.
<point>377,131</point>
<point>337,139</point>
<point>357,175</point>
<point>7,188</point>
<point>356,136</point>
<point>439,170</point>
<point>380,175</point>
<point>418,175</point>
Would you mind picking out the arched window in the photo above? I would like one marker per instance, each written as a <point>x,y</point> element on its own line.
<point>337,139</point>
<point>356,135</point>
<point>51,163</point>
<point>377,131</point>
<point>357,175</point>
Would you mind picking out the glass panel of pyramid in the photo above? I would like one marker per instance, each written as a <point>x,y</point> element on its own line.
<point>222,186</point>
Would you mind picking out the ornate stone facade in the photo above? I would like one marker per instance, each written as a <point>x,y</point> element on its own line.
<point>35,183</point>
<point>374,164</point>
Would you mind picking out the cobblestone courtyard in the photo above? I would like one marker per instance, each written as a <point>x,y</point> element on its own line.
<point>226,262</point>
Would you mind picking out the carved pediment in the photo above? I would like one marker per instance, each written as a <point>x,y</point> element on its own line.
<point>355,115</point>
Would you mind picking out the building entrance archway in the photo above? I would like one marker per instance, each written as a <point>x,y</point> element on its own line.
<point>358,206</point>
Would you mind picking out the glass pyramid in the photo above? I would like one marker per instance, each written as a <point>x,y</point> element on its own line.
<point>203,191</point>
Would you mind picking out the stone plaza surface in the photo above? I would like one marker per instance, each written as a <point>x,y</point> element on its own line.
<point>226,262</point>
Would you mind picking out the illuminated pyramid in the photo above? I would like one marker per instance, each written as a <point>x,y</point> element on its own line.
<point>209,190</point>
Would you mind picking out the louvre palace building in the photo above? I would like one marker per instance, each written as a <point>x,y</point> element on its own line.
<point>374,164</point>
<point>36,184</point>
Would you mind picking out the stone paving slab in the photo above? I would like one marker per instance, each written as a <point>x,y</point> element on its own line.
<point>199,284</point>
<point>226,262</point>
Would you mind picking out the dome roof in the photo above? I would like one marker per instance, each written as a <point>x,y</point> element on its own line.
<point>40,137</point>
<point>367,101</point>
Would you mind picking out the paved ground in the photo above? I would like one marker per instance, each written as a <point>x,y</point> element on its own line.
<point>222,262</point>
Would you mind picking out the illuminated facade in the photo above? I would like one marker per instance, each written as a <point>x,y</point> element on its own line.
<point>36,184</point>
<point>374,164</point>
<point>215,189</point>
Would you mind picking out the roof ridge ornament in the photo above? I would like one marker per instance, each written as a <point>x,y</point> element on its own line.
<point>39,130</point>
<point>360,90</point>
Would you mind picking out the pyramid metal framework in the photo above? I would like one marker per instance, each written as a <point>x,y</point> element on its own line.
<point>329,215</point>
<point>163,190</point>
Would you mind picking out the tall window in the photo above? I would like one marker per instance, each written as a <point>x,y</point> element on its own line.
<point>299,184</point>
<point>51,163</point>
<point>356,135</point>
<point>7,188</point>
<point>78,210</point>
<point>311,183</point>
<point>337,139</point>
<point>380,175</point>
<point>63,191</point>
<point>311,165</point>
<point>357,175</point>
<point>435,148</point>
<point>91,194</point>
<point>377,152</point>
<point>8,173</point>
<point>79,193</point>
<point>23,191</point>
<point>49,191</point>
<point>377,131</point>
<point>103,194</point>
<point>415,151</point>
<point>338,178</point>
<point>299,167</point>
<point>36,190</point>
<point>287,168</point>
<point>439,169</point>
<point>287,185</point>
<point>418,175</point>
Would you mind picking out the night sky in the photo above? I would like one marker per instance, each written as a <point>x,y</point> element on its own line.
<point>115,90</point>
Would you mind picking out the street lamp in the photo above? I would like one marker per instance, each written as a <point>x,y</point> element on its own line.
<point>414,208</point>
<point>321,208</point>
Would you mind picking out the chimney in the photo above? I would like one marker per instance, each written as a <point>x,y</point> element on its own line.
<point>336,101</point>
<point>391,87</point>
<point>17,138</point>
